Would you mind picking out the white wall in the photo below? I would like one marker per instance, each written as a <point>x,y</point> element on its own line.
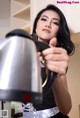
<point>74,82</point>
<point>4,31</point>
<point>4,17</point>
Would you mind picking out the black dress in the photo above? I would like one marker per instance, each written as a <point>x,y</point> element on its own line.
<point>48,100</point>
<point>59,115</point>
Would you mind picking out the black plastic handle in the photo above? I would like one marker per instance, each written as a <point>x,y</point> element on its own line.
<point>51,75</point>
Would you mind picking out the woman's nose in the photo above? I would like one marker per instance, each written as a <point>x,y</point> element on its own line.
<point>48,25</point>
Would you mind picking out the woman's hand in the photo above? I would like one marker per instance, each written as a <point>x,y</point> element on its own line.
<point>56,58</point>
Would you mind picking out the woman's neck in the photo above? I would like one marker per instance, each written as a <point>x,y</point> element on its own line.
<point>39,39</point>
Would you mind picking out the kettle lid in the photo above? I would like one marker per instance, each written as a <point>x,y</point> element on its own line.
<point>18,32</point>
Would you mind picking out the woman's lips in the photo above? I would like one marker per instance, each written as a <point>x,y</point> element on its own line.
<point>46,30</point>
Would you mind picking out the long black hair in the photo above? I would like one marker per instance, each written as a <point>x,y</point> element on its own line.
<point>63,36</point>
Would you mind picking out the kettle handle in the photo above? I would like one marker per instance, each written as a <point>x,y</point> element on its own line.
<point>51,75</point>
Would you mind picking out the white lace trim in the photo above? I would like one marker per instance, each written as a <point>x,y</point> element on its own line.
<point>42,113</point>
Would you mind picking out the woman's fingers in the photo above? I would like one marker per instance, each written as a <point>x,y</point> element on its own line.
<point>56,59</point>
<point>58,67</point>
<point>53,42</point>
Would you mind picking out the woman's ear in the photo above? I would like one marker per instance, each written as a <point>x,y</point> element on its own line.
<point>53,42</point>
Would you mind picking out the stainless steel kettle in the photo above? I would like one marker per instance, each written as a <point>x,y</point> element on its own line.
<point>20,77</point>
<point>20,72</point>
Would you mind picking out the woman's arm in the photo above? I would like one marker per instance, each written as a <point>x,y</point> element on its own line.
<point>56,60</point>
<point>61,94</point>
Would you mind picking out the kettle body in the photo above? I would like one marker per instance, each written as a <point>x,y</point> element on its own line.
<point>20,76</point>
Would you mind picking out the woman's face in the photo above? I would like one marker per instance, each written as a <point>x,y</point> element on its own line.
<point>48,25</point>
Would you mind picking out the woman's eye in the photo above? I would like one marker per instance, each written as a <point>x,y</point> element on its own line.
<point>56,23</point>
<point>43,19</point>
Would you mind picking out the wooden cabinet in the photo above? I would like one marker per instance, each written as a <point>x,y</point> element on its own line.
<point>20,14</point>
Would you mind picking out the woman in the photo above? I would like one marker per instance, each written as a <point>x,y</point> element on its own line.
<point>51,28</point>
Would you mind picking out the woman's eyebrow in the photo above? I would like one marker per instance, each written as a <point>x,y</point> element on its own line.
<point>56,19</point>
<point>52,18</point>
<point>44,16</point>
